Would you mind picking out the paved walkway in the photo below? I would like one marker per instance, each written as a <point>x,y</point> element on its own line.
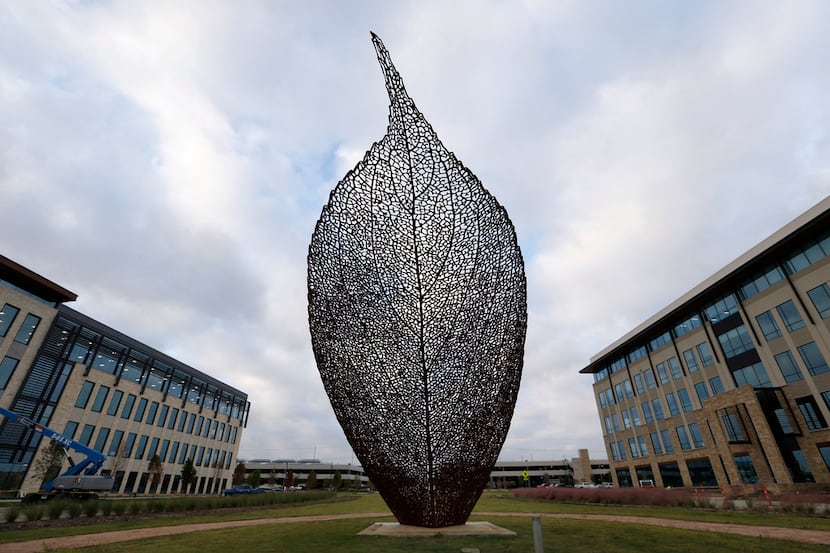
<point>69,542</point>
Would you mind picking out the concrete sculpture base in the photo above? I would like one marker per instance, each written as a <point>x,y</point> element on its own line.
<point>395,529</point>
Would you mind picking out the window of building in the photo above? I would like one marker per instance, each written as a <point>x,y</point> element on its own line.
<point>701,473</point>
<point>789,369</point>
<point>826,397</point>
<point>658,409</point>
<point>7,317</point>
<point>746,469</point>
<point>733,425</point>
<point>165,445</point>
<point>86,434</point>
<point>813,359</point>
<point>811,413</point>
<point>614,454</point>
<point>691,362</point>
<point>674,368</point>
<point>142,446</point>
<point>83,395</point>
<point>762,282</point>
<point>173,416</point>
<point>7,367</point>
<point>641,441</point>
<point>735,341</point>
<point>660,341</point>
<point>151,413</point>
<point>100,399</point>
<point>790,315</point>
<point>754,375</point>
<point>618,391</point>
<point>128,406</point>
<point>115,402</point>
<point>101,442</point>
<point>615,421</point>
<point>688,325</point>
<point>182,421</point>
<point>117,436</point>
<point>671,401</point>
<point>635,417</point>
<point>685,400</point>
<point>769,327</point>
<point>632,446</point>
<point>129,444</point>
<point>722,308</point>
<point>647,415</point>
<point>656,446</point>
<point>624,478</point>
<point>784,421</point>
<point>154,446</point>
<point>190,422</point>
<point>662,373</point>
<point>621,450</point>
<point>27,329</point>
<point>200,456</point>
<point>70,429</point>
<point>705,354</point>
<point>139,411</point>
<point>607,422</point>
<point>174,450</point>
<point>697,435</point>
<point>683,437</point>
<point>804,472</point>
<point>716,385</point>
<point>824,451</point>
<point>670,474</point>
<point>638,383</point>
<point>626,419</point>
<point>702,391</point>
<point>162,416</point>
<point>199,425</point>
<point>638,353</point>
<point>820,296</point>
<point>627,390</point>
<point>649,376</point>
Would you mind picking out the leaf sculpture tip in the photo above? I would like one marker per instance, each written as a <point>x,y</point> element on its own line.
<point>394,84</point>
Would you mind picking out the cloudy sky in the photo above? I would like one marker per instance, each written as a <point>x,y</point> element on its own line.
<point>167,161</point>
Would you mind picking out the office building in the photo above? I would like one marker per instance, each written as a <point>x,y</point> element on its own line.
<point>729,385</point>
<point>108,391</point>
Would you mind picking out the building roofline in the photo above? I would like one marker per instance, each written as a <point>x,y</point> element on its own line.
<point>769,249</point>
<point>28,280</point>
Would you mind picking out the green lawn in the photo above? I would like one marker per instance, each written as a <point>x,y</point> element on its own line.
<point>558,535</point>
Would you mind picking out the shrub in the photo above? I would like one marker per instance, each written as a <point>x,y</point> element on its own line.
<point>33,512</point>
<point>106,507</point>
<point>119,507</point>
<point>74,509</point>
<point>54,508</point>
<point>90,508</point>
<point>12,512</point>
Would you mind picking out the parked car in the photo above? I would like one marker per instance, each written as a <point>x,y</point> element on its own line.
<point>585,485</point>
<point>242,489</point>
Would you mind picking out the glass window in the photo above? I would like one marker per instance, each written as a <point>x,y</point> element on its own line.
<point>674,367</point>
<point>671,401</point>
<point>701,473</point>
<point>790,315</point>
<point>689,324</point>
<point>658,409</point>
<point>754,375</point>
<point>655,443</point>
<point>691,362</point>
<point>826,397</point>
<point>638,383</point>
<point>151,413</point>
<point>702,392</point>
<point>635,416</point>
<point>117,436</point>
<point>128,406</point>
<point>7,367</point>
<point>705,354</point>
<point>154,446</point>
<point>615,420</point>
<point>784,421</point>
<point>641,441</point>
<point>768,326</point>
<point>165,445</point>
<point>665,436</point>
<point>683,438</point>
<point>813,359</point>
<point>789,369</point>
<point>805,473</point>
<point>7,317</point>
<point>86,434</point>
<point>139,412</point>
<point>746,469</point>
<point>115,402</point>
<point>83,395</point>
<point>182,421</point>
<point>820,297</point>
<point>618,391</point>
<point>685,400</point>
<point>697,435</point>
<point>607,421</point>
<point>824,451</point>
<point>173,416</point>
<point>129,444</point>
<point>722,309</point>
<point>199,425</point>
<point>716,385</point>
<point>811,413</point>
<point>626,419</point>
<point>647,415</point>
<point>662,373</point>
<point>101,442</point>
<point>735,341</point>
<point>732,425</point>
<point>142,447</point>
<point>632,446</point>
<point>27,329</point>
<point>660,341</point>
<point>70,429</point>
<point>200,457</point>
<point>629,392</point>
<point>650,382</point>
<point>762,282</point>
<point>100,399</point>
<point>190,422</point>
<point>163,416</point>
<point>174,450</point>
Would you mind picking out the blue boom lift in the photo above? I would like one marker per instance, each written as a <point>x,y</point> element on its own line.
<point>81,480</point>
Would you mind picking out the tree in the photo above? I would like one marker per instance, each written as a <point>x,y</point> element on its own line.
<point>311,481</point>
<point>156,470</point>
<point>238,474</point>
<point>254,479</point>
<point>48,465</point>
<point>337,481</point>
<point>188,475</point>
<point>289,479</point>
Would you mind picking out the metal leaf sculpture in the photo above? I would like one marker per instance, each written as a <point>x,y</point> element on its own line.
<point>417,311</point>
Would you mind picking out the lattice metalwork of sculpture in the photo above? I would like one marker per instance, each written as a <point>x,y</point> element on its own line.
<point>417,311</point>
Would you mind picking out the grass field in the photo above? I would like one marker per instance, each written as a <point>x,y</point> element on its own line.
<point>558,535</point>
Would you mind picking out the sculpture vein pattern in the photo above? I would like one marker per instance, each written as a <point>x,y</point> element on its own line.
<point>417,312</point>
